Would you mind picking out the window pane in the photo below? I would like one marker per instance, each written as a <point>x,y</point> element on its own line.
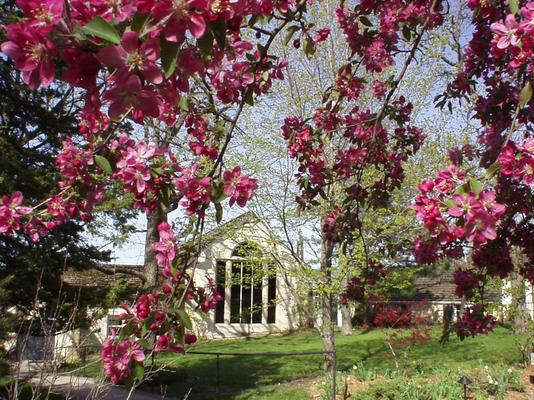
<point>271,298</point>
<point>235,294</point>
<point>246,311</point>
<point>220,279</point>
<point>257,296</point>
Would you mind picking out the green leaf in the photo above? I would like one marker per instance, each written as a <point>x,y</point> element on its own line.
<point>145,344</point>
<point>205,44</point>
<point>103,163</point>
<point>78,33</point>
<point>462,189</point>
<point>179,336</point>
<point>146,326</point>
<point>525,95</point>
<point>493,169</point>
<point>249,97</point>
<point>183,104</point>
<point>217,192</point>
<point>186,321</point>
<point>406,33</point>
<point>290,33</point>
<point>309,47</point>
<point>218,28</point>
<point>218,212</point>
<point>169,56</point>
<point>139,21</point>
<point>364,20</point>
<point>514,6</point>
<point>450,203</point>
<point>127,330</point>
<point>99,27</point>
<point>475,186</point>
<point>138,371</point>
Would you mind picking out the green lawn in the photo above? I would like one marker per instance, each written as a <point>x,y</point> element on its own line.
<point>259,376</point>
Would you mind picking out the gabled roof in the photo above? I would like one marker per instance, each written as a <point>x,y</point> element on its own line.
<point>248,218</point>
<point>442,288</point>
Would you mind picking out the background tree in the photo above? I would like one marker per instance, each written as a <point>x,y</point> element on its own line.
<point>32,127</point>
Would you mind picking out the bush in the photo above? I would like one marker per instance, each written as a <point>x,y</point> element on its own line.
<point>403,315</point>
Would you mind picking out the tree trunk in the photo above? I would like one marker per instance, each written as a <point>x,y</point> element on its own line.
<point>519,304</point>
<point>346,320</point>
<point>152,236</point>
<point>327,326</point>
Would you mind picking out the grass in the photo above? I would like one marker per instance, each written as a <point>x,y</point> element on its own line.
<point>264,377</point>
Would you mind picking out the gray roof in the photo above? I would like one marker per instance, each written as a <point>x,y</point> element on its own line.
<point>442,288</point>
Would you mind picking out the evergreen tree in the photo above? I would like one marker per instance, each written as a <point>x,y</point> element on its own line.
<point>33,125</point>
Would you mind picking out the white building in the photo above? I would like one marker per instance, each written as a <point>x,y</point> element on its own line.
<point>249,268</point>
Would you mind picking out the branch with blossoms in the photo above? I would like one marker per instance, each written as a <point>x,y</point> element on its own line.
<point>486,211</point>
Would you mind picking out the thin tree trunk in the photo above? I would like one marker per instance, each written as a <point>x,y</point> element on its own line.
<point>327,326</point>
<point>152,236</point>
<point>346,320</point>
<point>519,304</point>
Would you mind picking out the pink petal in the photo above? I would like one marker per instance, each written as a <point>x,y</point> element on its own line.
<point>499,28</point>
<point>47,71</point>
<point>112,56</point>
<point>12,50</point>
<point>130,41</point>
<point>197,25</point>
<point>153,74</point>
<point>503,42</point>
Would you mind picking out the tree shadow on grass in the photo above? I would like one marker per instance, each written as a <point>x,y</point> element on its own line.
<point>240,373</point>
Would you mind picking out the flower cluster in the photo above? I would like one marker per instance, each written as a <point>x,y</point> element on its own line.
<point>137,61</point>
<point>453,210</point>
<point>474,321</point>
<point>490,211</point>
<point>358,286</point>
<point>11,209</point>
<point>119,357</point>
<point>466,282</point>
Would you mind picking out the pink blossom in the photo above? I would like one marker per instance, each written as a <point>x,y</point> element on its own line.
<point>32,53</point>
<point>11,209</point>
<point>132,56</point>
<point>321,35</point>
<point>118,357</point>
<point>480,227</point>
<point>196,190</point>
<point>183,16</point>
<point>464,205</point>
<point>506,33</point>
<point>240,188</point>
<point>379,89</point>
<point>42,13</point>
<point>166,247</point>
<point>128,91</point>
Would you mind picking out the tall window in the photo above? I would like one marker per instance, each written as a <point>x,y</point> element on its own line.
<point>220,279</point>
<point>247,273</point>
